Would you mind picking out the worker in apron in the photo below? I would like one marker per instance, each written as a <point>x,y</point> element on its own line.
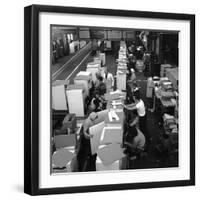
<point>108,80</point>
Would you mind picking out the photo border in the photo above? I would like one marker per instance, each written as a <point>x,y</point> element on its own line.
<point>31,98</point>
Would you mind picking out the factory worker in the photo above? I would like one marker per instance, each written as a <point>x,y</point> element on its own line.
<point>150,86</point>
<point>84,154</point>
<point>132,76</point>
<point>134,142</point>
<point>97,102</point>
<point>132,61</point>
<point>108,80</point>
<point>96,82</point>
<point>140,107</point>
<point>136,89</point>
<point>132,90</point>
<point>157,91</point>
<point>101,88</point>
<point>89,122</point>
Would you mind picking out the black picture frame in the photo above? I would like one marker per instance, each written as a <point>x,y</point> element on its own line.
<point>31,98</point>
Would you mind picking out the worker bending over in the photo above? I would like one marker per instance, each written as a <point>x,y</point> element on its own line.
<point>134,142</point>
<point>140,107</point>
<point>97,102</point>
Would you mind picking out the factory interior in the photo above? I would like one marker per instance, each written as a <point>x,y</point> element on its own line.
<point>114,97</point>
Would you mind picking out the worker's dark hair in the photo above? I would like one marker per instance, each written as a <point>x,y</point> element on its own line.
<point>165,136</point>
<point>137,95</point>
<point>135,84</point>
<point>96,92</point>
<point>100,78</point>
<point>132,130</point>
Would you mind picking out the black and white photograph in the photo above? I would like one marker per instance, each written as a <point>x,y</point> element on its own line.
<point>114,99</point>
<point>98,100</point>
<point>109,100</point>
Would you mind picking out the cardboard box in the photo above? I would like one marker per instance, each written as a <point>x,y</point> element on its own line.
<point>83,80</point>
<point>59,101</point>
<point>76,99</point>
<point>62,141</point>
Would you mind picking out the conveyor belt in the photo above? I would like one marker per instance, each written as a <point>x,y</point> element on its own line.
<point>60,62</point>
<point>64,71</point>
<point>80,67</point>
<point>110,62</point>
